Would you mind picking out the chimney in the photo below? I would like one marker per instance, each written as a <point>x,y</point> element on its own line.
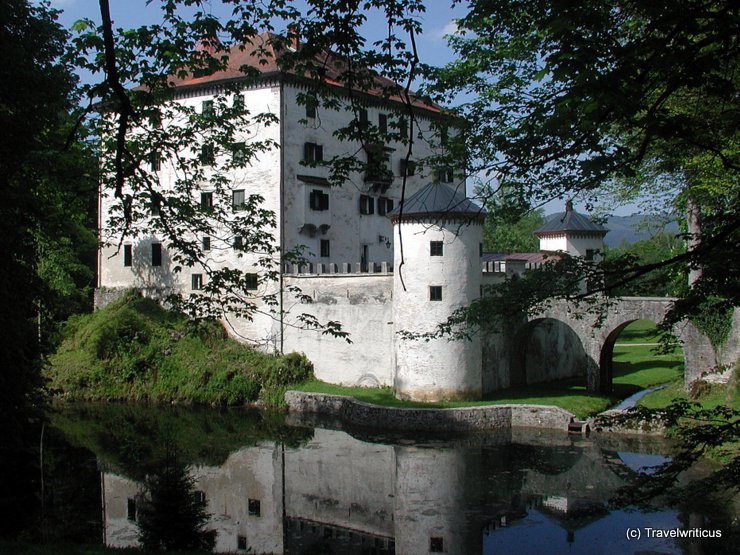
<point>569,205</point>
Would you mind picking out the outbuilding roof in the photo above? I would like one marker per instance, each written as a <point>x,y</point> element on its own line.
<point>570,220</point>
<point>438,200</point>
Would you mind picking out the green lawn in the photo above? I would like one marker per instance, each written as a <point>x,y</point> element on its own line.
<point>635,368</point>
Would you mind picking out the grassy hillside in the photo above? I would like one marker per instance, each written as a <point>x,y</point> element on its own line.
<point>135,350</point>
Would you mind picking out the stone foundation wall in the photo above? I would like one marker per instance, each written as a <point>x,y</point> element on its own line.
<point>493,417</point>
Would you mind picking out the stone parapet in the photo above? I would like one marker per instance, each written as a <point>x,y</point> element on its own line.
<point>491,417</point>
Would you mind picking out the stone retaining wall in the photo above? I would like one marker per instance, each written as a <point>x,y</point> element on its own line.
<point>492,417</point>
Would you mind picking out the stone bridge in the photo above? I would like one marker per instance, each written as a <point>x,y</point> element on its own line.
<point>565,341</point>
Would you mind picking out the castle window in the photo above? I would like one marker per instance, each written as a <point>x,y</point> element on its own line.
<point>253,507</point>
<point>127,255</point>
<point>238,101</point>
<point>207,154</point>
<point>196,282</point>
<point>250,282</point>
<point>590,253</point>
<point>313,153</point>
<point>206,201</point>
<point>362,117</point>
<point>383,123</point>
<point>155,161</point>
<point>311,107</point>
<point>408,167</point>
<point>238,243</point>
<point>367,204</point>
<point>435,292</point>
<point>239,153</point>
<point>206,108</point>
<point>377,164</point>
<point>436,545</point>
<point>403,128</point>
<point>325,248</point>
<point>445,175</point>
<point>385,205</point>
<point>241,543</point>
<point>199,497</point>
<point>318,200</point>
<point>131,509</point>
<point>238,199</point>
<point>156,254</point>
<point>205,243</point>
<point>436,248</point>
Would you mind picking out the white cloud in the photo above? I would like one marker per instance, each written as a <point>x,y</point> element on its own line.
<point>449,29</point>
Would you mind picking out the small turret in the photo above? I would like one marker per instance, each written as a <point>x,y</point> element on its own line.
<point>573,233</point>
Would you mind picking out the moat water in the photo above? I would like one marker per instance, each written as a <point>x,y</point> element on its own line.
<point>272,483</point>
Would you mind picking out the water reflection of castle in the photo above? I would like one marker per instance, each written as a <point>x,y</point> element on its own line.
<point>338,494</point>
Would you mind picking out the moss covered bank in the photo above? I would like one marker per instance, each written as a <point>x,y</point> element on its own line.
<point>135,350</point>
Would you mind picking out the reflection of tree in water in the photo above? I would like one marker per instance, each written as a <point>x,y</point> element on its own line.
<point>171,514</point>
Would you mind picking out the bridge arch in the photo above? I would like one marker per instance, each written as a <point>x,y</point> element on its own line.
<point>546,349</point>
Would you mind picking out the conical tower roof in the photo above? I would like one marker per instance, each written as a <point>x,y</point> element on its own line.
<point>437,200</point>
<point>570,220</point>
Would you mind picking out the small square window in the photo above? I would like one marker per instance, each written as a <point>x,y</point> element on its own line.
<point>318,200</point>
<point>127,255</point>
<point>436,248</point>
<point>362,117</point>
<point>253,506</point>
<point>131,509</point>
<point>241,543</point>
<point>436,545</point>
<point>205,243</point>
<point>590,253</point>
<point>206,201</point>
<point>206,108</point>
<point>403,128</point>
<point>313,153</point>
<point>435,292</point>
<point>238,199</point>
<point>196,282</point>
<point>199,497</point>
<point>238,101</point>
<point>325,248</point>
<point>250,282</point>
<point>445,175</point>
<point>408,167</point>
<point>238,243</point>
<point>156,254</point>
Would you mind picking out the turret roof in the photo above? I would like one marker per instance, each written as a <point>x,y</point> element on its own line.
<point>570,220</point>
<point>438,199</point>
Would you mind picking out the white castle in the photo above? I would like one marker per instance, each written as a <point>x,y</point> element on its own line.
<point>356,237</point>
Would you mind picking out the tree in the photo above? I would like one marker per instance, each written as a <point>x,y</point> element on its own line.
<point>567,96</point>
<point>35,95</point>
<point>668,281</point>
<point>171,516</point>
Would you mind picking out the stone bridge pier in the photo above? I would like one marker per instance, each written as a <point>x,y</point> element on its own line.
<point>565,342</point>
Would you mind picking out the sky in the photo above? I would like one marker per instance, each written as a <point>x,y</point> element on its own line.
<point>438,21</point>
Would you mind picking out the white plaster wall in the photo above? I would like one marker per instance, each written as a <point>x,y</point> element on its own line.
<point>260,177</point>
<point>119,532</point>
<point>345,483</point>
<point>431,478</point>
<point>362,303</point>
<point>554,243</point>
<point>250,473</point>
<point>439,368</point>
<point>349,229</point>
<point>576,244</point>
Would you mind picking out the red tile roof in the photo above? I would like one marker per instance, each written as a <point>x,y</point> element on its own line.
<point>264,52</point>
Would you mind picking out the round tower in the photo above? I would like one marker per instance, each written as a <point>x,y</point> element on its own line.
<point>440,231</point>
